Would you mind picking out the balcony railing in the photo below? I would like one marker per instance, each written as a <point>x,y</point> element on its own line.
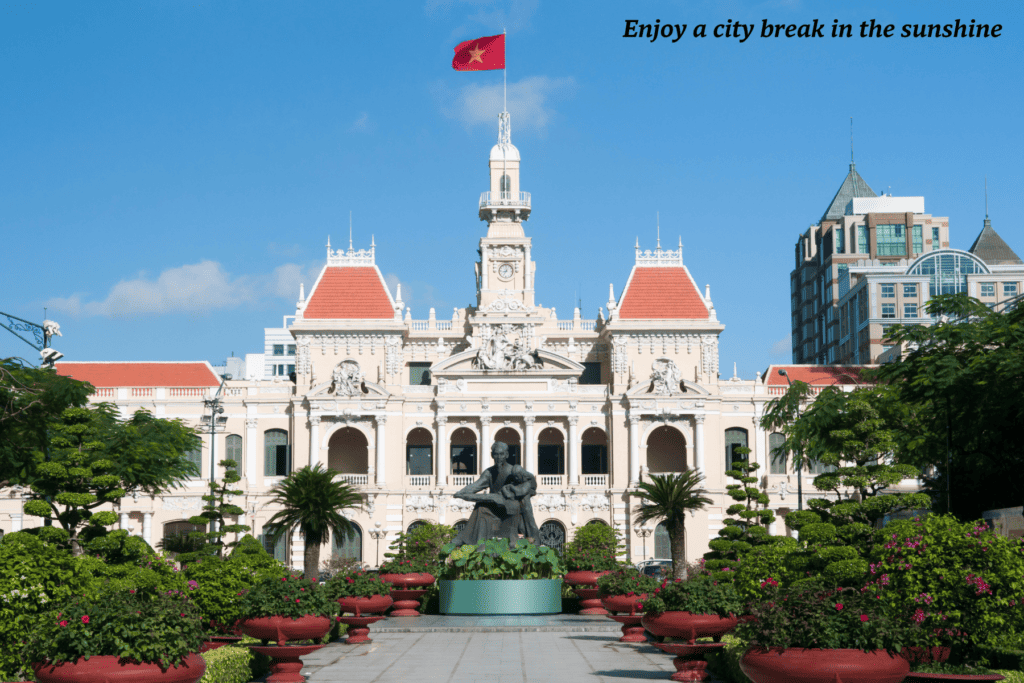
<point>355,479</point>
<point>463,479</point>
<point>595,480</point>
<point>512,200</point>
<point>552,480</point>
<point>419,480</point>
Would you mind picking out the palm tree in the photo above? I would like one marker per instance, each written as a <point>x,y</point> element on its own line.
<point>312,501</point>
<point>668,497</point>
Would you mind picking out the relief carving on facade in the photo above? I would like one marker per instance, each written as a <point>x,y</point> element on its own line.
<point>302,355</point>
<point>347,379</point>
<point>550,503</point>
<point>709,355</point>
<point>496,350</point>
<point>393,354</point>
<point>420,504</point>
<point>595,502</point>
<point>665,377</point>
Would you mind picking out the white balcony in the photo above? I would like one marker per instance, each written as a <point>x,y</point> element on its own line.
<point>555,480</point>
<point>463,479</point>
<point>419,480</point>
<point>355,479</point>
<point>595,480</point>
<point>504,200</point>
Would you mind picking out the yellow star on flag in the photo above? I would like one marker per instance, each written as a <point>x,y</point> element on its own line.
<point>477,53</point>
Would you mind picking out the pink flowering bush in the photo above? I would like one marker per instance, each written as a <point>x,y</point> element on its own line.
<point>356,584</point>
<point>285,596</point>
<point>142,626</point>
<point>627,581</point>
<point>698,595</point>
<point>961,581</point>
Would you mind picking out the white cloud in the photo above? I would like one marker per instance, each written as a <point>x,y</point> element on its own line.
<point>196,289</point>
<point>529,101</point>
<point>363,124</point>
<point>783,347</point>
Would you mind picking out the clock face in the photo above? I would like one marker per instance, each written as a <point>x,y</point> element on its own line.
<point>505,271</point>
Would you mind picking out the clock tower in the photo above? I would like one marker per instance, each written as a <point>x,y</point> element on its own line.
<point>504,273</point>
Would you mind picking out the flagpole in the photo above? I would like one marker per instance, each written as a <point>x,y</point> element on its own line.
<point>504,74</point>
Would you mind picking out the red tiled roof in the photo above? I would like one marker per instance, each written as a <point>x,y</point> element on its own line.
<point>817,375</point>
<point>661,294</point>
<point>196,374</point>
<point>349,293</point>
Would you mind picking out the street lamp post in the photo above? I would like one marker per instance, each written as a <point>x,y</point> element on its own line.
<point>377,533</point>
<point>643,532</point>
<point>799,471</point>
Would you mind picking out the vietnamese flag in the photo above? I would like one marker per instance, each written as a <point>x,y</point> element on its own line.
<point>482,54</point>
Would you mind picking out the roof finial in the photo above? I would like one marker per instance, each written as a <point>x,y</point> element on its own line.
<point>851,143</point>
<point>350,231</point>
<point>658,221</point>
<point>328,245</point>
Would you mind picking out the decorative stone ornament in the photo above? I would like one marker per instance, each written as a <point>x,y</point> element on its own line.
<point>347,379</point>
<point>665,377</point>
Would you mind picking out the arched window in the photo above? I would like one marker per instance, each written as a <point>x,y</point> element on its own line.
<point>233,448</point>
<point>460,525</point>
<point>735,438</point>
<point>666,450</point>
<point>415,525</point>
<point>276,460</point>
<point>510,438</point>
<point>463,447</point>
<point>662,542</point>
<point>348,452</point>
<point>594,451</point>
<point>349,546</point>
<point>775,441</point>
<point>948,270</point>
<point>552,534</point>
<point>419,452</point>
<point>597,521</point>
<point>550,453</point>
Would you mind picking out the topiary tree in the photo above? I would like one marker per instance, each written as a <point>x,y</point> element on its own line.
<point>418,550</point>
<point>594,547</point>
<point>198,544</point>
<point>668,498</point>
<point>747,525</point>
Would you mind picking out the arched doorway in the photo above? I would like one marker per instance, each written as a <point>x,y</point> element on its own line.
<point>348,452</point>
<point>550,452</point>
<point>666,450</point>
<point>662,543</point>
<point>594,451</point>
<point>419,452</point>
<point>552,534</point>
<point>463,452</point>
<point>510,437</point>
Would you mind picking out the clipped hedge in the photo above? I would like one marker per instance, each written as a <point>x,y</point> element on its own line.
<point>228,664</point>
<point>726,661</point>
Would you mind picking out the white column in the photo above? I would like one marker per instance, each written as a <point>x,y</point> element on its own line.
<point>485,443</point>
<point>760,447</point>
<point>314,441</point>
<point>526,270</point>
<point>444,456</point>
<point>382,420</point>
<point>530,446</point>
<point>634,449</point>
<point>16,521</point>
<point>147,527</point>
<point>253,455</point>
<point>574,451</point>
<point>700,444</point>
<point>124,521</point>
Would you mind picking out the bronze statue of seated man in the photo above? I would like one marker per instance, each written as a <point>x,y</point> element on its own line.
<point>505,511</point>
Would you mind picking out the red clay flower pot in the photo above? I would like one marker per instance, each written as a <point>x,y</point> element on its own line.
<point>918,677</point>
<point>689,626</point>
<point>375,604</point>
<point>586,589</point>
<point>282,629</point>
<point>407,591</point>
<point>926,655</point>
<point>109,668</point>
<point>813,665</point>
<point>623,603</point>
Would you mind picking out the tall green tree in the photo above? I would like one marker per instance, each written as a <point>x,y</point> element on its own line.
<point>962,376</point>
<point>311,501</point>
<point>667,498</point>
<point>216,510</point>
<point>747,524</point>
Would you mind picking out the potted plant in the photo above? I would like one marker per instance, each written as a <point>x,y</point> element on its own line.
<point>624,591</point>
<point>812,633</point>
<point>414,565</point>
<point>285,608</point>
<point>592,553</point>
<point>495,577</point>
<point>697,608</point>
<point>360,593</point>
<point>148,636</point>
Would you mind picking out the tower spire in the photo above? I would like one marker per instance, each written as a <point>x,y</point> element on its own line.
<point>851,143</point>
<point>657,219</point>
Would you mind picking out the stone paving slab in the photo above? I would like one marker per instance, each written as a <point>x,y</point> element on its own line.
<point>439,623</point>
<point>489,657</point>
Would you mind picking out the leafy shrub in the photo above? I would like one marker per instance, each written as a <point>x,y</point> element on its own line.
<point>627,581</point>
<point>229,664</point>
<point>761,563</point>
<point>960,580</point>
<point>143,626</point>
<point>595,547</point>
<point>816,616</point>
<point>726,661</point>
<point>495,559</point>
<point>699,595</point>
<point>33,576</point>
<point>152,573</point>
<point>250,552</point>
<point>747,525</point>
<point>287,596</point>
<point>119,547</point>
<point>418,550</point>
<point>357,584</point>
<point>216,585</point>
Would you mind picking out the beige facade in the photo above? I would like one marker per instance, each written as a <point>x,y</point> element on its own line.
<point>406,410</point>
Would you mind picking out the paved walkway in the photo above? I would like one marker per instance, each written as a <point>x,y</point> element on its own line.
<point>555,649</point>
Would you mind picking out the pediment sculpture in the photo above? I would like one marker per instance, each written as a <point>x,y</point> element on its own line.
<point>499,352</point>
<point>347,379</point>
<point>665,377</point>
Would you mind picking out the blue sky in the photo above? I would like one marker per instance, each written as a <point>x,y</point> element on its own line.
<point>171,170</point>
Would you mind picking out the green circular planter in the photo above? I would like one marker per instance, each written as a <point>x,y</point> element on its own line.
<point>537,596</point>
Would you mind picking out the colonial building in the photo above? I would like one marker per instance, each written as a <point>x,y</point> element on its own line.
<point>406,410</point>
